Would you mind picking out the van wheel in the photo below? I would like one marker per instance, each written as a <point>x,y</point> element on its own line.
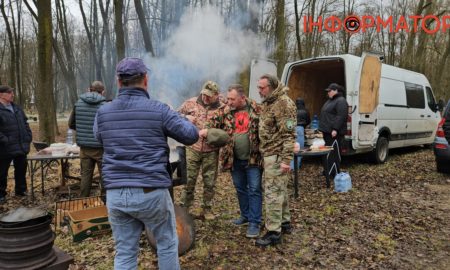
<point>381,151</point>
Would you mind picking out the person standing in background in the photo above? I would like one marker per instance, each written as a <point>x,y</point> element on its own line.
<point>202,156</point>
<point>15,139</point>
<point>82,120</point>
<point>277,136</point>
<point>333,124</point>
<point>303,119</point>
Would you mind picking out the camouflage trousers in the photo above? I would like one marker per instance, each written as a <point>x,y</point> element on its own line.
<point>207,162</point>
<point>276,196</point>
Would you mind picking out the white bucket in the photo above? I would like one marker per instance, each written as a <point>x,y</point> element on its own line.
<point>58,149</point>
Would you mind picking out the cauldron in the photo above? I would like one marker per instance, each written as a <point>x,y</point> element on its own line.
<point>27,244</point>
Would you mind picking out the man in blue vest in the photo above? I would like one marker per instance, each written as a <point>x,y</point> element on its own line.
<point>133,129</point>
<point>82,120</point>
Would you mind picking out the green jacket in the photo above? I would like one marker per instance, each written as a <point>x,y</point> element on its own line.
<point>82,118</point>
<point>277,125</point>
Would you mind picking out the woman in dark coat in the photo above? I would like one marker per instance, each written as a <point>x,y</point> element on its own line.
<point>333,123</point>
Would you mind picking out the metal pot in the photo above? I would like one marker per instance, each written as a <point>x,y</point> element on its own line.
<point>27,244</point>
<point>185,231</point>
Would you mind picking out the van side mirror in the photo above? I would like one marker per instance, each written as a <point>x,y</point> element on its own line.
<point>440,105</point>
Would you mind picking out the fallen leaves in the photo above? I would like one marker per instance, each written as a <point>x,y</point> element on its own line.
<point>395,217</point>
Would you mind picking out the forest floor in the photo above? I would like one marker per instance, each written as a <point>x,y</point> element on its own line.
<point>397,216</point>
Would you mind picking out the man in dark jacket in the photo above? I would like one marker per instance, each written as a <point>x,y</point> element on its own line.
<point>15,139</point>
<point>133,130</point>
<point>333,123</point>
<point>82,120</point>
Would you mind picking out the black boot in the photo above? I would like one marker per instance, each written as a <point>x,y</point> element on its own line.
<point>269,239</point>
<point>286,227</point>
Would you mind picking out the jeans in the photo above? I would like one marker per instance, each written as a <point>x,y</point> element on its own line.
<point>247,181</point>
<point>301,141</point>
<point>20,170</point>
<point>129,209</point>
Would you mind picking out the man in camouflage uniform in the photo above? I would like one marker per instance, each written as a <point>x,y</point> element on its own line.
<point>277,136</point>
<point>240,119</point>
<point>201,155</point>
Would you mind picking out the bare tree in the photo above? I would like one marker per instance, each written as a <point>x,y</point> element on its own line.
<point>91,38</point>
<point>66,62</point>
<point>110,55</point>
<point>12,46</point>
<point>118,27</point>
<point>280,36</point>
<point>145,31</point>
<point>45,99</point>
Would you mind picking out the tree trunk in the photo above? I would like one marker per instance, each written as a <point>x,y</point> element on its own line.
<point>297,29</point>
<point>92,47</point>
<point>280,37</point>
<point>408,56</point>
<point>45,99</point>
<point>67,66</point>
<point>145,31</point>
<point>12,52</point>
<point>17,56</point>
<point>118,28</point>
<point>110,51</point>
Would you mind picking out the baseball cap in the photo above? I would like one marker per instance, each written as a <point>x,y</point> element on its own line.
<point>210,88</point>
<point>334,86</point>
<point>130,66</point>
<point>5,88</point>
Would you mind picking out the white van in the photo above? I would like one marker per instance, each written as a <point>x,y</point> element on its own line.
<point>389,107</point>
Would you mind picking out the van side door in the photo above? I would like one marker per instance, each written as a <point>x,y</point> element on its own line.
<point>368,85</point>
<point>392,111</point>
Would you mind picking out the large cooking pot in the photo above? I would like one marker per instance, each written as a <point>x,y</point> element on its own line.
<point>26,239</point>
<point>23,217</point>
<point>185,231</point>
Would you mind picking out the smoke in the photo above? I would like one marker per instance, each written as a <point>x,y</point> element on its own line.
<point>202,48</point>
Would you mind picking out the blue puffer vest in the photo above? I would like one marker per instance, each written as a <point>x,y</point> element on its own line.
<point>85,110</point>
<point>15,133</point>
<point>133,130</point>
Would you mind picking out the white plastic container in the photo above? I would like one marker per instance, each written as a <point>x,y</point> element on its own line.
<point>58,149</point>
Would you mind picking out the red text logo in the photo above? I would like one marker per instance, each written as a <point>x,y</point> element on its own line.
<point>354,24</point>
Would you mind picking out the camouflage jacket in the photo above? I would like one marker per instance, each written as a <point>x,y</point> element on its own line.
<point>277,125</point>
<point>225,120</point>
<point>202,113</point>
